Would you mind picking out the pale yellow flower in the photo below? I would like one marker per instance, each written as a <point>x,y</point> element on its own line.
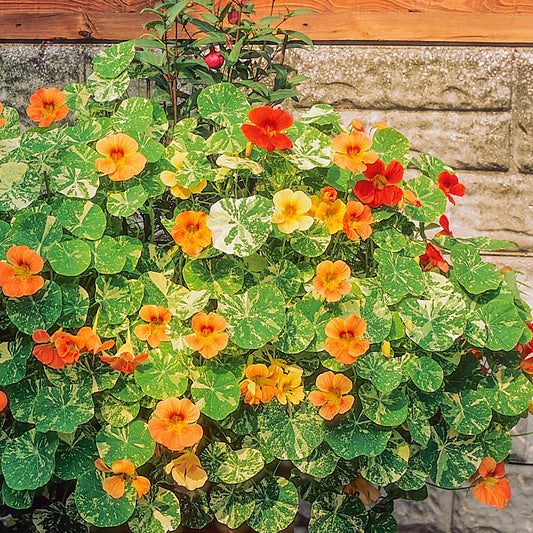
<point>291,211</point>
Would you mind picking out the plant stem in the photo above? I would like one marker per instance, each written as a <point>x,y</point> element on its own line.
<point>150,211</point>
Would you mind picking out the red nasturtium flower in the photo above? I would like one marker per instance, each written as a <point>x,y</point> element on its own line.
<point>330,280</point>
<point>344,339</point>
<point>356,221</point>
<point>2,120</point>
<point>449,184</point>
<point>445,225</point>
<point>267,125</point>
<point>433,258</point>
<point>209,337</point>
<point>47,106</point>
<point>332,395</point>
<point>351,151</point>
<point>259,384</point>
<point>3,400</point>
<point>18,278</point>
<point>190,231</point>
<point>526,353</point>
<point>58,350</point>
<point>124,360</point>
<point>154,332</point>
<point>187,471</point>
<point>490,485</point>
<point>173,424</point>
<point>291,211</point>
<point>380,187</point>
<point>122,471</point>
<point>121,159</point>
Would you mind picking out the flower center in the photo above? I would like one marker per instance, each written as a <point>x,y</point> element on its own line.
<point>379,181</point>
<point>290,211</point>
<point>116,154</point>
<point>333,396</point>
<point>191,230</point>
<point>331,280</point>
<point>177,420</point>
<point>269,129</point>
<point>353,151</point>
<point>48,108</point>
<point>22,272</point>
<point>207,335</point>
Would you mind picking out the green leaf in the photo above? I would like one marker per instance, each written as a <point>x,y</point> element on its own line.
<point>97,506</point>
<point>350,438</point>
<point>216,392</point>
<point>133,114</point>
<point>338,512</point>
<point>158,514</point>
<point>472,272</point>
<point>28,461</point>
<point>381,523</point>
<point>291,435</point>
<point>312,242</point>
<point>13,357</point>
<point>232,505</point>
<point>195,510</point>
<point>311,149</point>
<point>62,408</point>
<point>418,424</point>
<point>451,458</point>
<point>284,275</point>
<point>416,476</point>
<point>75,306</point>
<point>276,505</point>
<point>163,374</point>
<point>508,391</point>
<point>384,373</point>
<point>426,373</point>
<point>468,412</point>
<point>255,317</point>
<point>223,103</point>
<point>11,128</point>
<point>240,226</point>
<point>17,499</point>
<point>389,239</point>
<point>39,311</point>
<point>218,276</point>
<point>69,258</point>
<point>391,145</point>
<point>496,442</point>
<point>297,333</point>
<point>108,256</point>
<point>75,458</point>
<point>107,90</point>
<point>82,218</point>
<point>124,204</point>
<point>38,232</point>
<point>390,465</point>
<point>227,141</point>
<point>240,465</point>
<point>22,396</point>
<point>114,60</point>
<point>132,443</point>
<point>320,463</point>
<point>116,412</point>
<point>19,186</point>
<point>88,130</point>
<point>384,408</point>
<point>433,200</point>
<point>58,518</point>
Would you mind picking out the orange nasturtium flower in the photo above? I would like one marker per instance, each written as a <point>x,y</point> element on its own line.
<point>187,471</point>
<point>47,106</point>
<point>491,487</point>
<point>290,389</point>
<point>124,360</point>
<point>169,179</point>
<point>357,220</point>
<point>122,471</point>
<point>18,278</point>
<point>90,341</point>
<point>58,350</point>
<point>121,159</point>
<point>209,337</point>
<point>3,400</point>
<point>2,120</point>
<point>173,424</point>
<point>291,211</point>
<point>351,151</point>
<point>154,332</point>
<point>364,490</point>
<point>330,280</point>
<point>190,231</point>
<point>328,209</point>
<point>266,128</point>
<point>344,339</point>
<point>260,383</point>
<point>332,395</point>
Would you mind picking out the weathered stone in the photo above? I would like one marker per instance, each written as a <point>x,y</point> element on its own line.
<point>523,446</point>
<point>477,141</point>
<point>471,516</point>
<point>406,77</point>
<point>523,109</point>
<point>432,515</point>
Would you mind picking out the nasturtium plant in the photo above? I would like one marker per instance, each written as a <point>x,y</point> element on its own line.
<point>212,311</point>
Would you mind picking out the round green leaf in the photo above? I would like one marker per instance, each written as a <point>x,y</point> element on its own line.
<point>320,463</point>
<point>226,141</point>
<point>240,465</point>
<point>107,90</point>
<point>426,373</point>
<point>338,512</point>
<point>75,305</point>
<point>194,168</point>
<point>159,514</point>
<point>218,276</point>
<point>311,149</point>
<point>195,510</point>
<point>82,218</point>
<point>69,258</point>
<point>391,145</point>
<point>132,442</point>
<point>38,232</point>
<point>468,412</point>
<point>19,186</point>
<point>297,333</point>
<point>216,392</point>
<point>17,499</point>
<point>255,317</point>
<point>350,438</point>
<point>472,272</point>
<point>126,388</point>
<point>240,226</point>
<point>58,517</point>
<point>276,505</point>
<point>508,391</point>
<point>118,297</point>
<point>109,258</point>
<point>312,242</point>
<point>13,357</point>
<point>22,397</point>
<point>223,103</point>
<point>62,408</point>
<point>124,204</point>
<point>284,275</point>
<point>133,114</point>
<point>39,311</point>
<point>75,458</point>
<point>231,504</point>
<point>28,461</point>
<point>375,312</point>
<point>114,60</point>
<point>433,200</point>
<point>114,411</point>
<point>384,373</point>
<point>496,442</point>
<point>97,506</point>
<point>384,408</point>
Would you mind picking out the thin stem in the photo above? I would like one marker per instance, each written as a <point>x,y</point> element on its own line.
<point>521,434</point>
<point>150,211</point>
<point>445,488</point>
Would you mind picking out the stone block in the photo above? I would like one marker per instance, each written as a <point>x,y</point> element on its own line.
<point>523,109</point>
<point>471,516</point>
<point>406,77</point>
<point>522,451</point>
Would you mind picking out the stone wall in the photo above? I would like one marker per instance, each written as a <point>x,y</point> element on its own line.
<point>471,107</point>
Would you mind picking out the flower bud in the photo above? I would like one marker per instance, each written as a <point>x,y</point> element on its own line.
<point>213,59</point>
<point>233,16</point>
